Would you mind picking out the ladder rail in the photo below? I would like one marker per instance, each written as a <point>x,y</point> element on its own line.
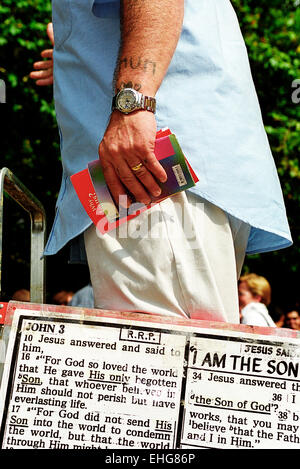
<point>10,184</point>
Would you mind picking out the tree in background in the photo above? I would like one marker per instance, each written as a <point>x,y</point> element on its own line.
<point>271,32</point>
<point>30,142</point>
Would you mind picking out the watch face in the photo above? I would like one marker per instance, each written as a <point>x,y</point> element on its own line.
<point>126,101</point>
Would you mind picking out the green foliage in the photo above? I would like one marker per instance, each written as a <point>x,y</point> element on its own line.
<point>271,31</point>
<point>30,146</point>
<point>30,142</point>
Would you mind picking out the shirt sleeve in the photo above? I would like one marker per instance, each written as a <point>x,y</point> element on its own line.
<point>106,8</point>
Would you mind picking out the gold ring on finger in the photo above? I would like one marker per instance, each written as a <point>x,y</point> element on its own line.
<point>137,167</point>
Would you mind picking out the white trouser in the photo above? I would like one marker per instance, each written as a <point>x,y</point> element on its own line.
<point>182,257</point>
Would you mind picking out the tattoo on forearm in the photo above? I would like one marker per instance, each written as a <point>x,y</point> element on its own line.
<point>134,65</point>
<point>137,64</point>
<point>129,84</point>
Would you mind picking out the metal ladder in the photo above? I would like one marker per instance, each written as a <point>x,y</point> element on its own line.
<point>10,184</point>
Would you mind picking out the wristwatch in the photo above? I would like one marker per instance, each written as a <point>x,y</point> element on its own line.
<point>129,100</point>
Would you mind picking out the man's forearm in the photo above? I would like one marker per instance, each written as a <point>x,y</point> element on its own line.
<point>150,30</point>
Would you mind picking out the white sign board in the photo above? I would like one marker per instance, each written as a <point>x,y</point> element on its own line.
<point>102,382</point>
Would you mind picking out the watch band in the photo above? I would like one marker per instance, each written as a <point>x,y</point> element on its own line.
<point>149,104</point>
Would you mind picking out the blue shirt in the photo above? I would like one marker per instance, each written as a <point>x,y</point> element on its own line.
<point>207,99</point>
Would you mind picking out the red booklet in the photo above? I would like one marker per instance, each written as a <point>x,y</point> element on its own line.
<point>96,198</point>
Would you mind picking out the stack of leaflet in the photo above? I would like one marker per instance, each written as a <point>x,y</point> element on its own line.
<point>96,198</point>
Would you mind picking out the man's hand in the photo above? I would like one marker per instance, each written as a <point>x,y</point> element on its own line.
<point>128,141</point>
<point>43,73</point>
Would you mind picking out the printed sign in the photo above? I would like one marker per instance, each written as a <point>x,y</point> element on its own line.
<point>74,382</point>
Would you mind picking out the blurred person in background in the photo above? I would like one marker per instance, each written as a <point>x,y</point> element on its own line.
<point>62,297</point>
<point>254,297</point>
<point>292,320</point>
<point>21,295</point>
<point>83,298</point>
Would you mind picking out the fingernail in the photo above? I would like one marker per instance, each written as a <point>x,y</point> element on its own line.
<point>146,202</point>
<point>157,192</point>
